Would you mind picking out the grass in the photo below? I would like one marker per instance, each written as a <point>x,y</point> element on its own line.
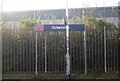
<point>55,75</point>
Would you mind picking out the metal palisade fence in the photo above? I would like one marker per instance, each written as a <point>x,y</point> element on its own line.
<point>18,50</point>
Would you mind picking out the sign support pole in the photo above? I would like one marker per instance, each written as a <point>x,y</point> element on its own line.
<point>67,40</point>
<point>45,53</point>
<point>85,51</point>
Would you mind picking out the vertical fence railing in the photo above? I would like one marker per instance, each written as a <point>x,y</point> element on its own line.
<point>19,50</point>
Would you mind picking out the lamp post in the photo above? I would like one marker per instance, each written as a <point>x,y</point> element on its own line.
<point>67,43</point>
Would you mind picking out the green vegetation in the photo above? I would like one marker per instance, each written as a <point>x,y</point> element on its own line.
<point>30,22</point>
<point>89,22</point>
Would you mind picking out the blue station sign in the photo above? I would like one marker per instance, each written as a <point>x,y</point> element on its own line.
<point>59,27</point>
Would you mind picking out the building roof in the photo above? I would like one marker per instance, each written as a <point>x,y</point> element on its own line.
<point>97,12</point>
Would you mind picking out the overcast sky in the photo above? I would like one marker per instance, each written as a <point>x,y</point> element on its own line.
<point>17,5</point>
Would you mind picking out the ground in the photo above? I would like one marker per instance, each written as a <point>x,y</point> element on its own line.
<point>49,75</point>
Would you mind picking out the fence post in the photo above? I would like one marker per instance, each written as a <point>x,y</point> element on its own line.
<point>104,39</point>
<point>1,24</point>
<point>36,53</point>
<point>105,49</point>
<point>85,51</point>
<point>0,50</point>
<point>45,52</point>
